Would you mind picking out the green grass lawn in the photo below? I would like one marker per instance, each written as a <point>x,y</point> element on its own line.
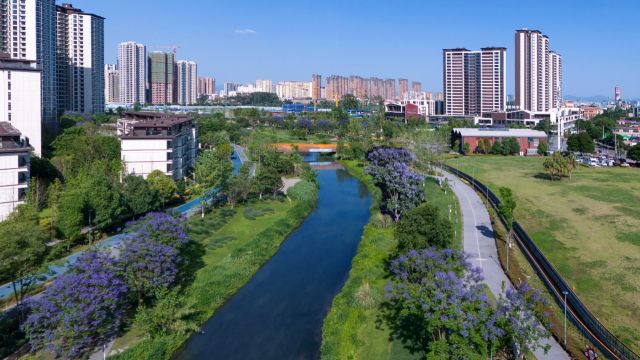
<point>349,330</point>
<point>587,226</point>
<point>232,244</point>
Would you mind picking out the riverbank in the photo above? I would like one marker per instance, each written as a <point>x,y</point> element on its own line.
<point>349,330</point>
<point>232,245</point>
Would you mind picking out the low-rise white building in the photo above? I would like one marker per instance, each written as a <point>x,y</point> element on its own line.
<point>156,141</point>
<point>15,153</point>
<point>20,98</point>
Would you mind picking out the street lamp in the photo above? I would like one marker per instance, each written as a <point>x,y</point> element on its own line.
<point>565,317</point>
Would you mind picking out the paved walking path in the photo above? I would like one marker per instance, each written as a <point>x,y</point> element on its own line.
<point>480,244</point>
<point>241,152</point>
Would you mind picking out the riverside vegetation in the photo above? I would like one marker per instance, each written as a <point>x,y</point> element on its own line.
<point>416,316</point>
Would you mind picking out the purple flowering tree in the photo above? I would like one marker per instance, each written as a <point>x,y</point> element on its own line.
<point>161,227</point>
<point>81,310</point>
<point>146,265</point>
<point>522,320</point>
<point>437,306</point>
<point>402,188</point>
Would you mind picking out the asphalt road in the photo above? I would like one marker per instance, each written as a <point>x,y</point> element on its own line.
<point>480,244</point>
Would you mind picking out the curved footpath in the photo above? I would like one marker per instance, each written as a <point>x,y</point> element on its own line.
<point>480,244</point>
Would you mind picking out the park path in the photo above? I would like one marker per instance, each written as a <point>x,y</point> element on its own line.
<point>241,151</point>
<point>480,244</point>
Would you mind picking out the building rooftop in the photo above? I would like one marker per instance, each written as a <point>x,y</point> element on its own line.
<point>499,132</point>
<point>10,139</point>
<point>69,9</point>
<point>153,119</point>
<point>6,129</point>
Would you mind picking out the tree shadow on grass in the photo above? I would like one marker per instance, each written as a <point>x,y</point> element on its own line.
<point>542,176</point>
<point>191,256</point>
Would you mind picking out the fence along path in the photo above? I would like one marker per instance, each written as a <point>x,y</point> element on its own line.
<point>577,312</point>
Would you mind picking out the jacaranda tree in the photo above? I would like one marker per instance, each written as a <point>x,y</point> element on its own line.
<point>146,265</point>
<point>164,228</point>
<point>81,310</point>
<point>401,186</point>
<point>437,306</point>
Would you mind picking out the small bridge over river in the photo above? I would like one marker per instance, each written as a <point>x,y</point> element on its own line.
<point>307,148</point>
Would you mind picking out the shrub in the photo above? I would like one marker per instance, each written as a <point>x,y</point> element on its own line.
<point>303,191</point>
<point>423,227</point>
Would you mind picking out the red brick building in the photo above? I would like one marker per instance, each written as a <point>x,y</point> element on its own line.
<point>528,139</point>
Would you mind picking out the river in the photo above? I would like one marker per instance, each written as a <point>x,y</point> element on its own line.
<point>278,314</point>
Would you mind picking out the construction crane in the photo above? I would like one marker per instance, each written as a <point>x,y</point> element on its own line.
<point>174,47</point>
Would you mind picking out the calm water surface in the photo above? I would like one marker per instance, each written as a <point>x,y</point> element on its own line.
<point>278,314</point>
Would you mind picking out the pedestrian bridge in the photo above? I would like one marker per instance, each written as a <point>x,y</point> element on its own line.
<point>307,148</point>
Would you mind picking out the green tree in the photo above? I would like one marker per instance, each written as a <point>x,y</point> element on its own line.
<point>510,146</point>
<point>349,102</point>
<point>581,142</point>
<point>22,252</point>
<point>466,149</point>
<point>240,187</point>
<point>543,148</point>
<point>213,169</point>
<point>507,205</point>
<point>496,149</point>
<point>506,209</point>
<point>423,227</point>
<point>70,207</point>
<point>544,125</point>
<point>163,184</point>
<point>267,180</point>
<point>104,201</point>
<point>634,153</point>
<point>137,106</point>
<point>139,197</point>
<point>586,143</point>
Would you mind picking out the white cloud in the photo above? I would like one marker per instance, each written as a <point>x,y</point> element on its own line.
<point>245,31</point>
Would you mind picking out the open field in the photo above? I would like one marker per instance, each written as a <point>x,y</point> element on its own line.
<point>349,330</point>
<point>587,226</point>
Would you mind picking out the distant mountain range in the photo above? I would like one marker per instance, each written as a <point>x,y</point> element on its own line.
<point>594,98</point>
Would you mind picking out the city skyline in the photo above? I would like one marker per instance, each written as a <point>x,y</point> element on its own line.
<point>248,41</point>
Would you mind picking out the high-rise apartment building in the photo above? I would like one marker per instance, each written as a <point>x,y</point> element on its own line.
<point>206,86</point>
<point>160,69</point>
<point>264,86</point>
<point>618,95</point>
<point>111,84</point>
<point>28,32</point>
<point>336,87</point>
<point>316,86</point>
<point>474,81</point>
<point>403,88</point>
<point>132,64</point>
<point>228,88</point>
<point>186,82</point>
<point>20,98</point>
<point>555,80</point>
<point>80,60</point>
<point>389,89</point>
<point>538,72</point>
<point>416,86</point>
<point>294,89</point>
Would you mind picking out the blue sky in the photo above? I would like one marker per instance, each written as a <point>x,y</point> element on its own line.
<point>289,40</point>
